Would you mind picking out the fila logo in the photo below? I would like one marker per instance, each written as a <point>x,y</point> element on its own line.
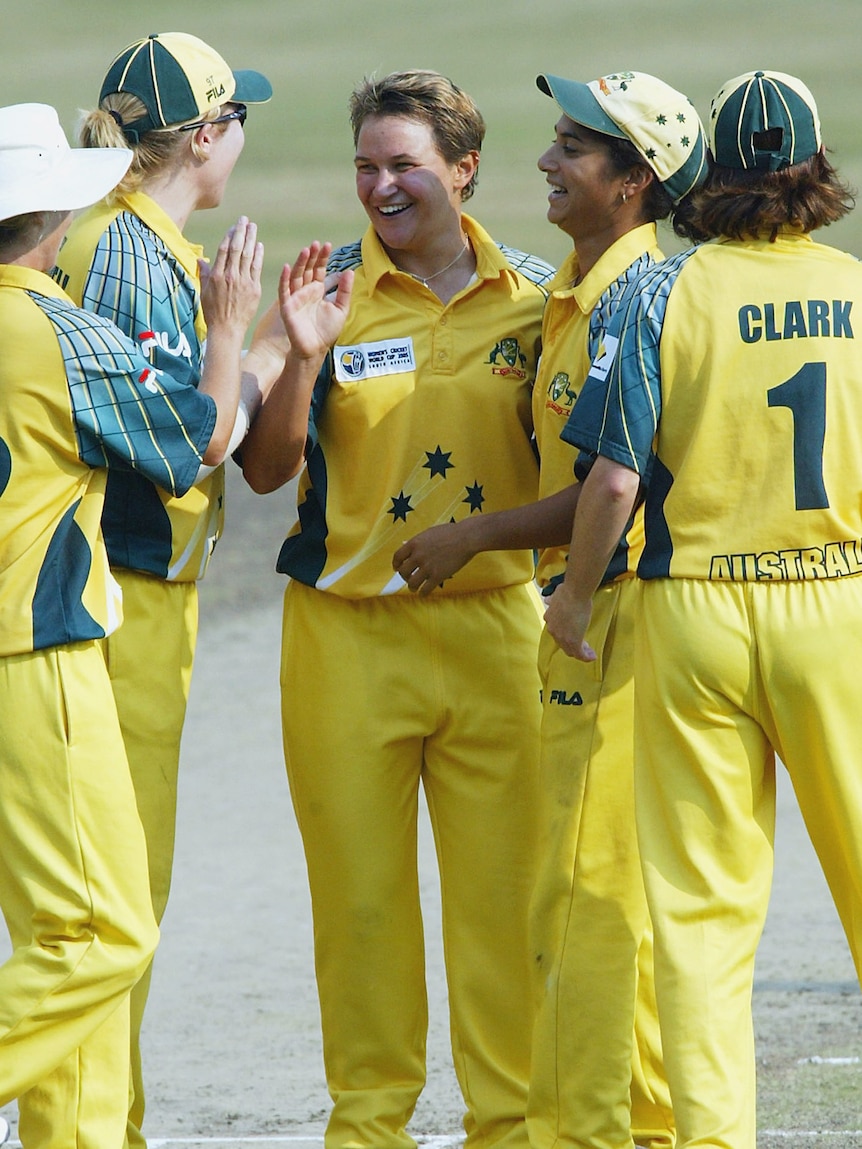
<point>150,339</point>
<point>215,93</point>
<point>560,698</point>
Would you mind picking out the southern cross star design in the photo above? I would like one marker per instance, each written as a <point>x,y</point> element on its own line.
<point>474,498</point>
<point>438,461</point>
<point>400,508</point>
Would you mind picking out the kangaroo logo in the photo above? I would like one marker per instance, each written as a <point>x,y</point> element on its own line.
<point>514,360</point>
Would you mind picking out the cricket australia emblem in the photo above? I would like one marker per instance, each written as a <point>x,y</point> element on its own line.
<point>514,360</point>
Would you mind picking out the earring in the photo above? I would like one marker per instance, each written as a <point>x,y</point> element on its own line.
<point>625,197</point>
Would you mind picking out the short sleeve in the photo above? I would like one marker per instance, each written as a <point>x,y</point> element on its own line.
<point>127,414</point>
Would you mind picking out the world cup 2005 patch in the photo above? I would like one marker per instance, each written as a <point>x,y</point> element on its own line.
<point>369,360</point>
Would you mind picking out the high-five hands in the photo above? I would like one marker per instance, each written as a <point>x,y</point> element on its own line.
<point>313,317</point>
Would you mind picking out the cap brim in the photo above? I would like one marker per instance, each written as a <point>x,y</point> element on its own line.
<point>84,176</point>
<point>579,104</point>
<point>251,88</point>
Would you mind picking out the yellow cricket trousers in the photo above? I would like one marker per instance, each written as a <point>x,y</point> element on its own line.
<point>724,674</point>
<point>149,660</point>
<point>597,1075</point>
<point>73,888</point>
<point>378,695</point>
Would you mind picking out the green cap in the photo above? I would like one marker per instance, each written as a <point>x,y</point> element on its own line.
<point>764,120</point>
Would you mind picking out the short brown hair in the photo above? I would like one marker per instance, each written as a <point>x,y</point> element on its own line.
<point>20,233</point>
<point>740,204</point>
<point>455,121</point>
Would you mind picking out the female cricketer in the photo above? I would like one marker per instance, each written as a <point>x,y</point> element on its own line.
<point>421,413</point>
<point>173,100</point>
<point>78,399</point>
<point>730,386</point>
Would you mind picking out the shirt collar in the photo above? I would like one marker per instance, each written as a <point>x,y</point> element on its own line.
<point>607,268</point>
<point>30,279</point>
<point>158,220</point>
<point>490,261</point>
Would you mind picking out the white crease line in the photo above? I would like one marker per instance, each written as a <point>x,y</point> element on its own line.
<point>436,1142</point>
<point>828,1060</point>
<point>810,1132</point>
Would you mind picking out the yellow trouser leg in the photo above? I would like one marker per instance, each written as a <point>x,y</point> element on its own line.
<point>705,800</point>
<point>652,1112</point>
<point>377,695</point>
<point>813,634</point>
<point>74,894</point>
<point>595,1020</point>
<point>149,661</point>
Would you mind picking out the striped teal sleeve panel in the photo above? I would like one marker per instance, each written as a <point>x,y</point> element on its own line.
<point>127,414</point>
<point>530,266</point>
<point>137,282</point>
<point>617,412</point>
<point>344,258</point>
<point>603,313</point>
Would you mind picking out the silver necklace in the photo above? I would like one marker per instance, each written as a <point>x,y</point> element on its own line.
<point>426,279</point>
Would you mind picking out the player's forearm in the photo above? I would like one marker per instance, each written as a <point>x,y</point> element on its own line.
<point>436,554</point>
<point>262,366</point>
<point>274,449</point>
<point>221,380</point>
<point>604,507</point>
<point>546,523</point>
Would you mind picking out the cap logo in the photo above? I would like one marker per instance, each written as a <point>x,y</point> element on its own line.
<point>215,91</point>
<point>617,82</point>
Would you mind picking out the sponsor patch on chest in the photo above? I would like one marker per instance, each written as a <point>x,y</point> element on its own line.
<point>368,360</point>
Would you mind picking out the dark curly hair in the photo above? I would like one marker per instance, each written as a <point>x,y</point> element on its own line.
<point>745,204</point>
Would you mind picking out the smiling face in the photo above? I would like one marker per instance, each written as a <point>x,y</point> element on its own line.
<point>411,194</point>
<point>586,192</point>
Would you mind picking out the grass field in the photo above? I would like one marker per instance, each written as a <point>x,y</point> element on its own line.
<point>295,178</point>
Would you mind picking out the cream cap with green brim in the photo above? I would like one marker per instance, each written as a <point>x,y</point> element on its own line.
<point>659,121</point>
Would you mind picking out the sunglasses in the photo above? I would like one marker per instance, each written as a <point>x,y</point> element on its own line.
<point>239,112</point>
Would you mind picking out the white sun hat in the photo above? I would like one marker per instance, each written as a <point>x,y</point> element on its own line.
<point>40,172</point>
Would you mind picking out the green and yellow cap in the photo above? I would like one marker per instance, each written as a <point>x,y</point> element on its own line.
<point>764,120</point>
<point>178,78</point>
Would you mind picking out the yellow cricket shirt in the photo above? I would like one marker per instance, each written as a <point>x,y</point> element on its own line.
<point>130,262</point>
<point>76,398</point>
<point>421,415</point>
<point>734,381</point>
<point>575,320</point>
